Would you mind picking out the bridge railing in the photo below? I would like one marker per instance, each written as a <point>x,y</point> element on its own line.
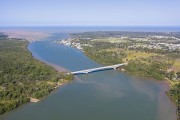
<point>98,69</point>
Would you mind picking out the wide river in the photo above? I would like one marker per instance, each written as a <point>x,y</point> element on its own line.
<point>105,95</point>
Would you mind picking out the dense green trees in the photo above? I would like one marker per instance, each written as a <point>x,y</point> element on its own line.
<point>152,69</point>
<point>22,77</point>
<point>104,57</point>
<point>155,66</point>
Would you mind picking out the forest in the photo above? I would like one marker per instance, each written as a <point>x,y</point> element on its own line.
<point>22,77</point>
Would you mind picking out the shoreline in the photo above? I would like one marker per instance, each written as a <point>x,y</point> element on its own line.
<point>55,67</point>
<point>30,36</point>
<point>35,100</point>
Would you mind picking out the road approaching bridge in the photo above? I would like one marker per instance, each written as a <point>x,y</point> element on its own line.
<point>98,69</point>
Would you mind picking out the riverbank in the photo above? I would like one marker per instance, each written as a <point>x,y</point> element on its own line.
<point>60,69</point>
<point>58,84</point>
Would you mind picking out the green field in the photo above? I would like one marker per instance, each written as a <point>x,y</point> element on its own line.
<point>111,40</point>
<point>177,65</point>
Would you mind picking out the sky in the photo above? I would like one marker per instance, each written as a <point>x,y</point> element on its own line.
<point>89,12</point>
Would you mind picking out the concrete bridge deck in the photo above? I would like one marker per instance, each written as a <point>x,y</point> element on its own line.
<point>97,69</point>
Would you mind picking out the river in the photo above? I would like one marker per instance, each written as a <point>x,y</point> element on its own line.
<point>105,95</point>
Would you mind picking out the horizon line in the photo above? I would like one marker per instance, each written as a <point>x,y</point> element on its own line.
<point>92,26</point>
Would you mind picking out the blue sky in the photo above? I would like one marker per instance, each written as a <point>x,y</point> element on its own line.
<point>90,12</point>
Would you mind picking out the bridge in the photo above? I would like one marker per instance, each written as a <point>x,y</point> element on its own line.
<point>98,69</point>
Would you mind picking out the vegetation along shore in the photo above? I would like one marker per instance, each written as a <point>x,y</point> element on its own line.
<point>23,78</point>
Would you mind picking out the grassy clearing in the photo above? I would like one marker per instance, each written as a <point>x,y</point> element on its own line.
<point>111,40</point>
<point>177,65</point>
<point>173,83</point>
<point>131,55</point>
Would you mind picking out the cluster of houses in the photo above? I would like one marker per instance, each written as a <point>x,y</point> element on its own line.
<point>69,42</point>
<point>164,46</point>
<point>151,43</point>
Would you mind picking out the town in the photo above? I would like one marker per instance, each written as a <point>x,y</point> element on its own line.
<point>165,42</point>
<point>72,43</point>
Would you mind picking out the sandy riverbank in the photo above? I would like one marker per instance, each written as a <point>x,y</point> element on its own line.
<point>59,84</point>
<point>58,68</point>
<point>35,100</point>
<point>28,35</point>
